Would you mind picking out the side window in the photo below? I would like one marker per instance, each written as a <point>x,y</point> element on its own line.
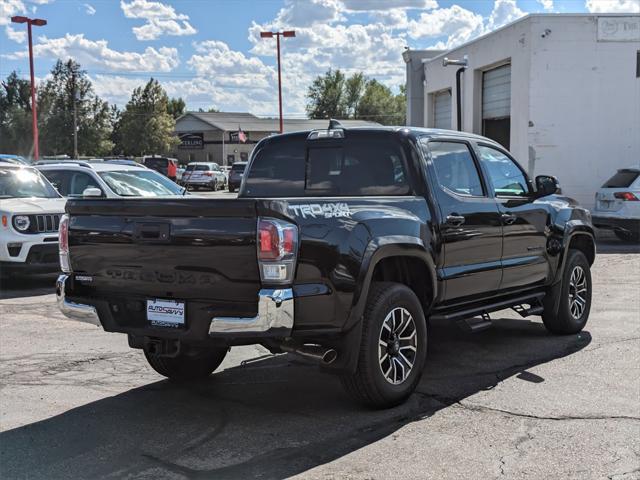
<point>59,179</point>
<point>80,182</point>
<point>455,169</point>
<point>505,176</point>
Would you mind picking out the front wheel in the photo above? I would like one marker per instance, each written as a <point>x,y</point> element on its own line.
<point>187,367</point>
<point>393,348</point>
<point>573,297</point>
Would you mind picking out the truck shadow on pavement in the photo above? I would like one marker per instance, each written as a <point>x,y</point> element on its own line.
<point>269,418</point>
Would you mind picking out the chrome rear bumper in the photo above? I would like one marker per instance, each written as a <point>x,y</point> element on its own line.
<point>275,313</point>
<point>73,310</point>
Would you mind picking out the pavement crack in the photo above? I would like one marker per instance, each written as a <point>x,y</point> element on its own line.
<point>482,408</point>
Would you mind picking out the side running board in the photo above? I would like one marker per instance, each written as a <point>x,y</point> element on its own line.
<point>483,310</point>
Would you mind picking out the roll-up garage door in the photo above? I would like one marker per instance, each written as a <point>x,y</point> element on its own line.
<point>442,109</point>
<point>496,104</point>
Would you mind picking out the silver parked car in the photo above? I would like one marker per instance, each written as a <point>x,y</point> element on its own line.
<point>204,175</point>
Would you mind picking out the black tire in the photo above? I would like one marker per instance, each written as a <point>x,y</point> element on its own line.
<point>231,189</point>
<point>568,320</point>
<point>626,236</point>
<point>368,385</point>
<point>187,367</point>
<point>214,186</point>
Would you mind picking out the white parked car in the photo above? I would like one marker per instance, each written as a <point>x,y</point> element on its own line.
<point>30,211</point>
<point>204,175</point>
<point>113,180</point>
<point>618,205</point>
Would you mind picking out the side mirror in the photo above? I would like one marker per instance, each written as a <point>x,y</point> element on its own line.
<point>92,192</point>
<point>546,185</point>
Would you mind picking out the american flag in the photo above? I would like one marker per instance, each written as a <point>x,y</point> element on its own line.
<point>242,137</point>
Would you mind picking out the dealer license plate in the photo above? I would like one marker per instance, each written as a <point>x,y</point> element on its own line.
<point>165,313</point>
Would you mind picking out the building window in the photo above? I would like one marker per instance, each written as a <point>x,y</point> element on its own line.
<point>244,156</point>
<point>496,104</point>
<point>638,64</point>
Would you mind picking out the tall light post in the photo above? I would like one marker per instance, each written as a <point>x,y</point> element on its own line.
<point>38,22</point>
<point>286,33</point>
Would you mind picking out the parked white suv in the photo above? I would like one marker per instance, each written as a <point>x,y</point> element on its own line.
<point>30,211</point>
<point>204,174</point>
<point>114,179</point>
<point>618,205</point>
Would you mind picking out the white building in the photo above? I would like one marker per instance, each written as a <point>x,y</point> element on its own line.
<point>561,91</point>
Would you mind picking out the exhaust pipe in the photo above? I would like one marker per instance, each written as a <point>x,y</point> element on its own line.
<point>317,353</point>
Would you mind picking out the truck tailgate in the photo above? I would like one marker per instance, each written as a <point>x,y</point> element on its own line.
<point>187,248</point>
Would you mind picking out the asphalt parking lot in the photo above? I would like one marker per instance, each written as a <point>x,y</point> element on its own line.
<point>510,402</point>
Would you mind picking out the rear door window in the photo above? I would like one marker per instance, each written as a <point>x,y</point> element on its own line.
<point>359,165</point>
<point>622,179</point>
<point>455,168</point>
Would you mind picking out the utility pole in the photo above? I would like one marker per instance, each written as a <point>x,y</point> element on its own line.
<point>75,114</point>
<point>287,33</point>
<point>38,22</point>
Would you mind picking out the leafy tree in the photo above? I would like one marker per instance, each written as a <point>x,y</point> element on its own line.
<point>208,110</point>
<point>146,126</point>
<point>332,95</point>
<point>327,96</point>
<point>15,116</point>
<point>176,107</point>
<point>69,87</point>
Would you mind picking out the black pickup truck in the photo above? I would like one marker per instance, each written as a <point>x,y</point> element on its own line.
<point>341,246</point>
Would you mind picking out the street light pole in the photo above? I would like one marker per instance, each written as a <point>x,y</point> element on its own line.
<point>34,113</point>
<point>286,33</point>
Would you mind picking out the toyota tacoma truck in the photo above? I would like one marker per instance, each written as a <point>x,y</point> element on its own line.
<point>341,247</point>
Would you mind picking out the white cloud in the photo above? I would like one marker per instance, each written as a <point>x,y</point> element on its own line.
<point>613,6</point>
<point>458,24</point>
<point>546,4</point>
<point>161,19</point>
<point>371,5</point>
<point>9,8</point>
<point>90,53</point>
<point>89,9</point>
<point>19,36</point>
<point>504,11</point>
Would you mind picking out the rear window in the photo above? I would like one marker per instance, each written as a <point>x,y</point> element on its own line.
<point>197,168</point>
<point>353,167</point>
<point>156,162</point>
<point>622,179</point>
<point>238,168</point>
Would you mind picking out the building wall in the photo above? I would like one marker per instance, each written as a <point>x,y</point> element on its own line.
<point>584,104</point>
<point>575,101</point>
<point>507,45</point>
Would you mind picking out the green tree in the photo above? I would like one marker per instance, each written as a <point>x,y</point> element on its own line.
<point>332,95</point>
<point>176,107</point>
<point>67,89</point>
<point>326,96</point>
<point>15,116</point>
<point>145,125</point>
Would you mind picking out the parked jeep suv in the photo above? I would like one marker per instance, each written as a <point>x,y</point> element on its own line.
<point>340,247</point>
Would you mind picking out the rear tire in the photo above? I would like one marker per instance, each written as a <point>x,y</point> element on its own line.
<point>629,237</point>
<point>573,297</point>
<point>393,348</point>
<point>187,367</point>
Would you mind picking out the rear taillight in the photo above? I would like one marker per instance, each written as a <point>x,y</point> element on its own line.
<point>63,244</point>
<point>626,196</point>
<point>277,250</point>
<point>208,174</point>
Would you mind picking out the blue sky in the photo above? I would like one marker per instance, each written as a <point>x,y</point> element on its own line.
<point>209,51</point>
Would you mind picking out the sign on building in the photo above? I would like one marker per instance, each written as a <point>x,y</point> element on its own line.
<point>191,141</point>
<point>619,29</point>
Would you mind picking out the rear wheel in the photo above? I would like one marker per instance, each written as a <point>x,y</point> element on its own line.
<point>626,236</point>
<point>573,297</point>
<point>187,367</point>
<point>214,185</point>
<point>393,347</point>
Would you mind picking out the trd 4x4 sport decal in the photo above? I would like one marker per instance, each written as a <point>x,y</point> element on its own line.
<point>321,210</point>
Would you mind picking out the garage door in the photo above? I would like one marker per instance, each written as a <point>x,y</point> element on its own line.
<point>442,109</point>
<point>496,104</point>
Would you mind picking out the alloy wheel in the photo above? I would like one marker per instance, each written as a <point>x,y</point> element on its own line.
<point>577,292</point>
<point>397,345</point>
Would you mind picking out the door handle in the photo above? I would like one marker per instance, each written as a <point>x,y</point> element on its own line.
<point>508,218</point>
<point>455,220</point>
